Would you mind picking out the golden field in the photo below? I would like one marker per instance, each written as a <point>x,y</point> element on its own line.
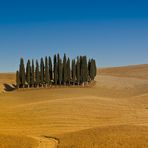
<point>111,114</point>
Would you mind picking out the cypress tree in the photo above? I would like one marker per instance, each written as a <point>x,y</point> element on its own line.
<point>50,69</point>
<point>46,71</point>
<point>78,70</point>
<point>81,69</point>
<point>73,71</point>
<point>89,64</point>
<point>64,69</point>
<point>68,71</point>
<point>92,69</point>
<point>37,74</point>
<point>22,72</point>
<point>28,73</point>
<point>58,68</point>
<point>60,71</point>
<point>55,70</point>
<point>42,71</point>
<point>95,67</point>
<point>32,74</point>
<point>17,79</point>
<point>85,69</point>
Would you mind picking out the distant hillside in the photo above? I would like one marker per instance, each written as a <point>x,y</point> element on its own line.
<point>136,71</point>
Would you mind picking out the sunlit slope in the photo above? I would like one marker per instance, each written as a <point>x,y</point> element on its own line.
<point>107,137</point>
<point>116,109</point>
<point>137,71</point>
<point>17,141</point>
<point>57,117</point>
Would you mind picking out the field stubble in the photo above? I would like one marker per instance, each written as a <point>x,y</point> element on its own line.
<point>113,113</point>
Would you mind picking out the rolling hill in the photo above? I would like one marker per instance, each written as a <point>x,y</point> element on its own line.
<point>113,113</point>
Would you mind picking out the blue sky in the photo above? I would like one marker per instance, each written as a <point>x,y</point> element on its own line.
<point>113,32</point>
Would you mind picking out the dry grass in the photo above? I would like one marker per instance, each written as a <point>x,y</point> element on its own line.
<point>107,137</point>
<point>14,141</point>
<point>67,112</point>
<point>134,71</point>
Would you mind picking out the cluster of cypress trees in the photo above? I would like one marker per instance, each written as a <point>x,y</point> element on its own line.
<point>59,72</point>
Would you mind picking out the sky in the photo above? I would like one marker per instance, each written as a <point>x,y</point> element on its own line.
<point>114,32</point>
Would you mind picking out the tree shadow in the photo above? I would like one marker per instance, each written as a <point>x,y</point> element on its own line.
<point>9,87</point>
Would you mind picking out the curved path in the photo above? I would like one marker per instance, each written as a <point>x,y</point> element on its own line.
<point>45,142</point>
